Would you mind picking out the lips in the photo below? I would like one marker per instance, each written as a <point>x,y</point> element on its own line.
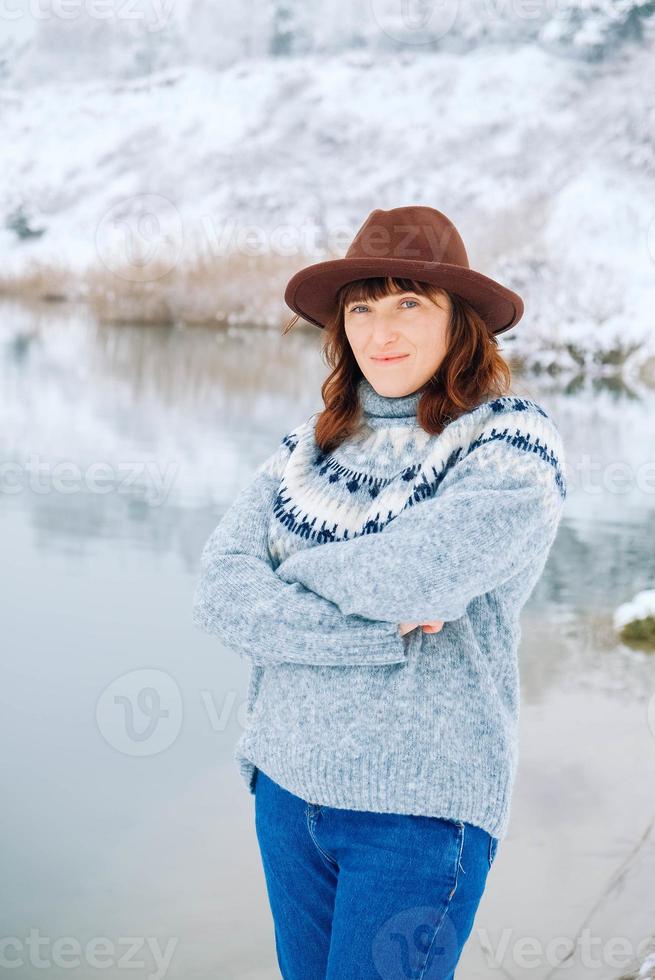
<point>390,357</point>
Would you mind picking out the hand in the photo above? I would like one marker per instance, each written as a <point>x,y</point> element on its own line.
<point>433,627</point>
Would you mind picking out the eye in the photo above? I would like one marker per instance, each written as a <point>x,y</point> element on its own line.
<point>362,306</point>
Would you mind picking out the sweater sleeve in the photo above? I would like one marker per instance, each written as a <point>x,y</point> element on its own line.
<point>492,513</point>
<point>241,600</point>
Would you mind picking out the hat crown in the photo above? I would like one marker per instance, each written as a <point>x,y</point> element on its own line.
<point>414,242</point>
<point>417,233</point>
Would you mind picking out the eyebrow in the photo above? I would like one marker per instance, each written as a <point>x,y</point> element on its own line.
<point>354,302</point>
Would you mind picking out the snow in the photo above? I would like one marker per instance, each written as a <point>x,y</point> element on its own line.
<point>640,606</point>
<point>545,163</point>
<point>647,969</point>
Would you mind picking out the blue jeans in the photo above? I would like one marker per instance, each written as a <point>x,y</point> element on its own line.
<point>367,896</point>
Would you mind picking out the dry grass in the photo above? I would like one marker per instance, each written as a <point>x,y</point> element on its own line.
<point>41,281</point>
<point>207,289</point>
<point>203,289</point>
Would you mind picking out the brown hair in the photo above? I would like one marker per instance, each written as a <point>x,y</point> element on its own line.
<point>471,371</point>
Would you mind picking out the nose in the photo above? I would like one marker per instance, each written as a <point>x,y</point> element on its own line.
<point>383,327</point>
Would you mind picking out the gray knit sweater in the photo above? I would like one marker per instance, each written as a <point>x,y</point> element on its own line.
<point>341,709</point>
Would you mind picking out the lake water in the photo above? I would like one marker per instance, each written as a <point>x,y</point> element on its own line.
<point>128,836</point>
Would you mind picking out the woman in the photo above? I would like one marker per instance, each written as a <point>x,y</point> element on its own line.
<point>373,572</point>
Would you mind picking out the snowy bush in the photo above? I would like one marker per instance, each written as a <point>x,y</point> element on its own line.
<point>595,28</point>
<point>635,620</point>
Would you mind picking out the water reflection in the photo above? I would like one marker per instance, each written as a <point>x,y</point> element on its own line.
<point>128,443</point>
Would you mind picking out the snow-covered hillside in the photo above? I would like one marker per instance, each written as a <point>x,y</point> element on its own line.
<point>277,128</point>
<point>127,38</point>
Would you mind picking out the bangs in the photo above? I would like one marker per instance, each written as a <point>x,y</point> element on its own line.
<point>376,287</point>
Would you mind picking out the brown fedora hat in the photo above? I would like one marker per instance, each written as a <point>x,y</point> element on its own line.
<point>415,242</point>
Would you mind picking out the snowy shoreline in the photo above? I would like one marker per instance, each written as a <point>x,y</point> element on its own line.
<point>165,197</point>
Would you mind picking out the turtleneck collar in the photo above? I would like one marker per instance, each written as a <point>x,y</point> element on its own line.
<point>380,410</point>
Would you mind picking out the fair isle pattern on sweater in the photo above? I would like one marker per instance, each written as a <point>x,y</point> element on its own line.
<point>322,555</point>
<point>293,508</point>
<point>287,511</point>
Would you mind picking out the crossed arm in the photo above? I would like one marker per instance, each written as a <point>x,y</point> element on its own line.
<point>493,513</point>
<point>341,603</point>
<point>240,599</point>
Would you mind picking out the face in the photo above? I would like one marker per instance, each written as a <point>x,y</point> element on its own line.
<point>406,324</point>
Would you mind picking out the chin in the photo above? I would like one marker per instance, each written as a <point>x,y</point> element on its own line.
<point>393,388</point>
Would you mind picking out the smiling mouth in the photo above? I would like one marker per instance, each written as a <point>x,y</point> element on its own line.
<point>391,357</point>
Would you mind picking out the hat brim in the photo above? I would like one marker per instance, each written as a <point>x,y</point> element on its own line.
<point>311,292</point>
